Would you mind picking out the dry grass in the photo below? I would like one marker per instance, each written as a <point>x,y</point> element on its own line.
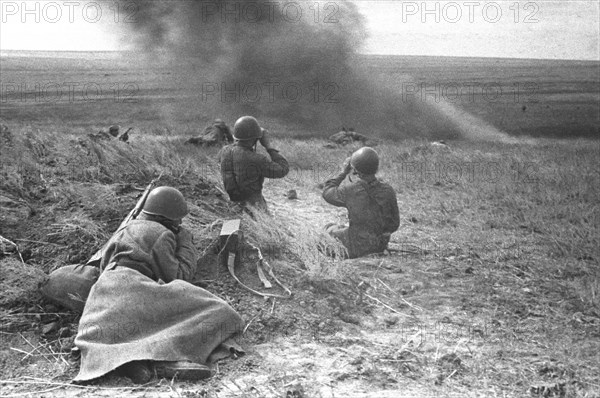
<point>501,201</point>
<point>528,236</point>
<point>290,237</point>
<point>78,229</point>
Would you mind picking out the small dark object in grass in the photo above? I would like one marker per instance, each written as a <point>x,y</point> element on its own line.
<point>26,254</point>
<point>114,130</point>
<point>292,194</point>
<point>414,220</point>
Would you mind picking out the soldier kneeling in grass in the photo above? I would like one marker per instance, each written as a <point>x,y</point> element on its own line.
<point>143,317</point>
<point>243,170</point>
<point>371,204</point>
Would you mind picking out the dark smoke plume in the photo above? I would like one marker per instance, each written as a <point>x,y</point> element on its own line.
<point>259,37</point>
<point>242,45</point>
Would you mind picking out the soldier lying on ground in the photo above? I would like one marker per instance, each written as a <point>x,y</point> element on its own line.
<point>216,134</point>
<point>371,204</point>
<point>345,137</point>
<point>243,170</point>
<point>142,315</point>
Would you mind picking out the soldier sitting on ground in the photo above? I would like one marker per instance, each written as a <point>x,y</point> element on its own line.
<point>143,316</point>
<point>371,204</point>
<point>243,170</point>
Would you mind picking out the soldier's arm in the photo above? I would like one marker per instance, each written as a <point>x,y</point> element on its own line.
<point>333,193</point>
<point>228,134</point>
<point>277,167</point>
<point>393,220</point>
<point>176,256</point>
<point>226,164</point>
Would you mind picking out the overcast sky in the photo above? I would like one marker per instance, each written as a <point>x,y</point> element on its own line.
<point>522,29</point>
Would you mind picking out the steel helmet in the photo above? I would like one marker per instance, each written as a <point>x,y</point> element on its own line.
<point>365,160</point>
<point>246,128</point>
<point>167,202</point>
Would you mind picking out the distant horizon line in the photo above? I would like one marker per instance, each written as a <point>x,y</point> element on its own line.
<point>360,54</point>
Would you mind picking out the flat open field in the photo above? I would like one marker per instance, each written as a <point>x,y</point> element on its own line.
<point>493,286</point>
<point>539,98</point>
<point>522,97</point>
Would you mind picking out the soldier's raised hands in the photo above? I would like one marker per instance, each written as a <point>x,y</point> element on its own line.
<point>347,167</point>
<point>264,139</point>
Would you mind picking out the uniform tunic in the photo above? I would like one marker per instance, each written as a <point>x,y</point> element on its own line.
<point>244,172</point>
<point>153,250</point>
<point>372,213</point>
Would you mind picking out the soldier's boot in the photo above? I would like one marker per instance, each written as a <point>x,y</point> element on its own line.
<point>183,370</point>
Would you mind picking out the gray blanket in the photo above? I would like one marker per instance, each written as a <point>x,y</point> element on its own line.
<point>130,317</point>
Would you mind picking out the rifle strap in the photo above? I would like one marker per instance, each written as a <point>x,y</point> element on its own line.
<point>262,266</point>
<point>231,268</point>
<point>96,259</point>
<point>262,277</point>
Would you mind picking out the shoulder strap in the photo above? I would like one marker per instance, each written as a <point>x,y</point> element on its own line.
<point>229,178</point>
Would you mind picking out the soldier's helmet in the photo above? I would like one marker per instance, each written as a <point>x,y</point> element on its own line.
<point>365,160</point>
<point>219,121</point>
<point>167,202</point>
<point>246,128</point>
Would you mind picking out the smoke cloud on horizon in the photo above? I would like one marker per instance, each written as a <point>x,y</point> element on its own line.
<point>295,61</point>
